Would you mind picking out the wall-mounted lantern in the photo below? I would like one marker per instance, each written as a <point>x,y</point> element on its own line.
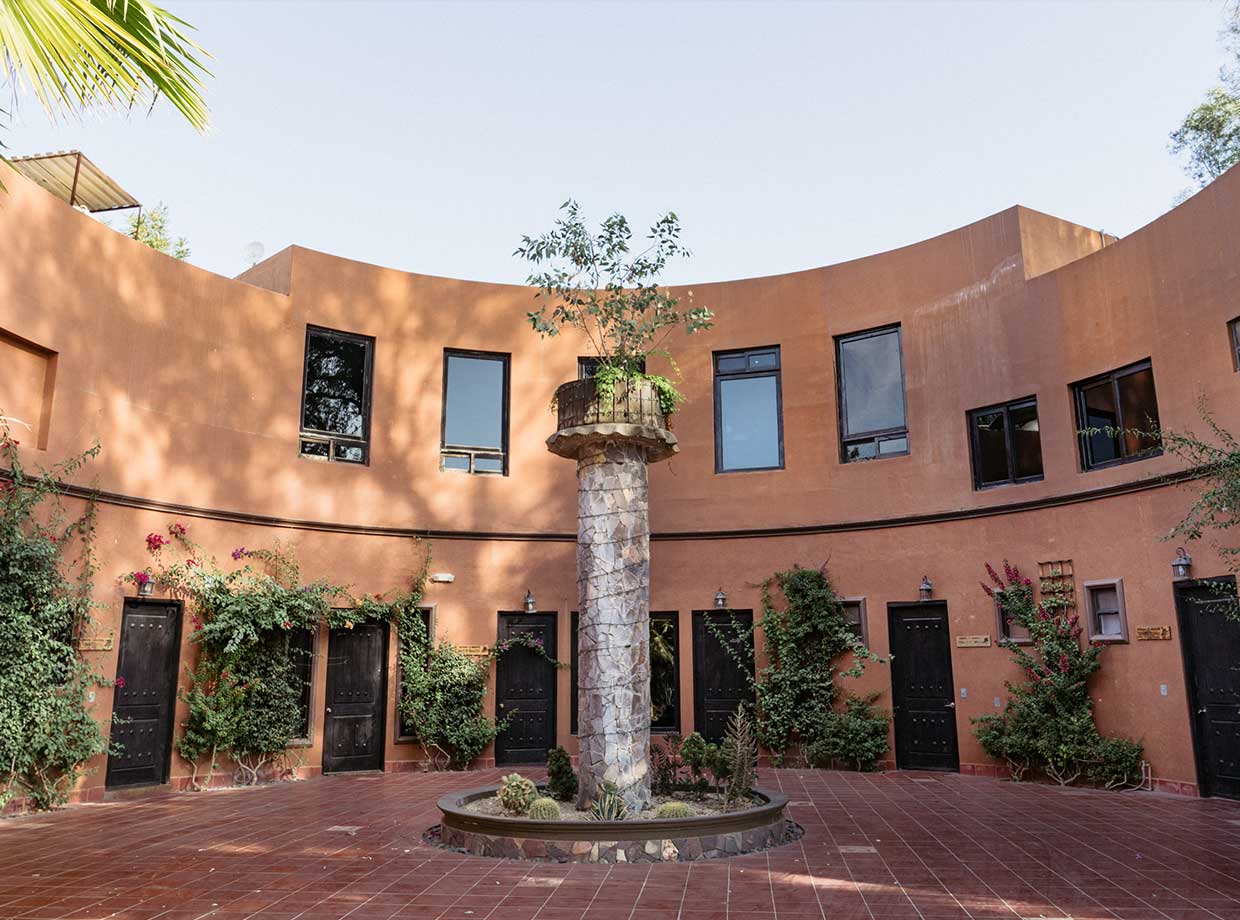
<point>146,588</point>
<point>926,589</point>
<point>443,578</point>
<point>1182,567</point>
<point>531,605</point>
<point>721,600</point>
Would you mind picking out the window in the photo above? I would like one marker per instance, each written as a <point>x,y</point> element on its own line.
<point>1116,415</point>
<point>301,652</point>
<point>748,411</point>
<point>574,619</point>
<point>1012,633</point>
<point>588,367</point>
<point>475,412</point>
<point>1104,604</point>
<point>854,615</point>
<point>26,388</point>
<point>335,396</point>
<point>404,731</point>
<point>664,672</point>
<point>1234,329</point>
<point>1006,444</point>
<point>869,368</point>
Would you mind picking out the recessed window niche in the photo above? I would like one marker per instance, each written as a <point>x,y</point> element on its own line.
<point>27,379</point>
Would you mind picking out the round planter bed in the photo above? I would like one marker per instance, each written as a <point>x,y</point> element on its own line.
<point>758,827</point>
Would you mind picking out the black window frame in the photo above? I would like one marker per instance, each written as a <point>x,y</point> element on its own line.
<point>574,669</point>
<point>777,373</point>
<point>304,667</point>
<point>473,452</point>
<point>587,366</point>
<point>1233,329</point>
<point>673,617</point>
<point>332,439</point>
<point>878,435</point>
<point>975,446</point>
<point>1078,402</point>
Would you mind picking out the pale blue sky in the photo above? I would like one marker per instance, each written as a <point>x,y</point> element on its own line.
<point>430,136</point>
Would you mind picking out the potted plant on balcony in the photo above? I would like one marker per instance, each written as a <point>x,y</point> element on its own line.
<point>613,424</point>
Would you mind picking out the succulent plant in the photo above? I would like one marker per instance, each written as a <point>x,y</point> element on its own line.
<point>516,793</point>
<point>544,809</point>
<point>608,804</point>
<point>674,810</point>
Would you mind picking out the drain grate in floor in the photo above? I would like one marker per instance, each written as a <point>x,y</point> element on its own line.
<point>344,829</point>
<point>853,849</point>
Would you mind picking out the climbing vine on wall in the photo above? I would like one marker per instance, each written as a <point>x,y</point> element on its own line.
<point>47,569</point>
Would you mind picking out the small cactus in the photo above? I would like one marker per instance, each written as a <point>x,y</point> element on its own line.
<point>516,793</point>
<point>674,810</point>
<point>544,809</point>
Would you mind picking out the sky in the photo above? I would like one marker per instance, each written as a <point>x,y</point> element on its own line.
<point>786,135</point>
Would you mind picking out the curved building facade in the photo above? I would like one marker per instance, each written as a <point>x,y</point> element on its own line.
<point>914,413</point>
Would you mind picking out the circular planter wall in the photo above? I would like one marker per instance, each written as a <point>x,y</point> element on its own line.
<point>759,827</point>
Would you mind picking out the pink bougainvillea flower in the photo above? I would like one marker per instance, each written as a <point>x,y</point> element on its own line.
<point>177,529</point>
<point>286,625</point>
<point>190,563</point>
<point>994,576</point>
<point>154,541</point>
<point>141,578</point>
<point>120,683</point>
<point>990,592</point>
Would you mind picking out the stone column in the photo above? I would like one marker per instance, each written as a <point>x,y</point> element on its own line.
<point>613,640</point>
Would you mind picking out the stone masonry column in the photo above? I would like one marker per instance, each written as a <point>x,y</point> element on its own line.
<point>613,639</point>
<point>613,442</point>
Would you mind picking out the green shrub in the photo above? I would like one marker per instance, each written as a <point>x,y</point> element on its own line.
<point>443,691</point>
<point>544,809</point>
<point>561,779</point>
<point>674,810</point>
<point>609,804</point>
<point>1047,724</point>
<point>516,793</point>
<point>46,581</point>
<point>857,735</point>
<point>738,759</point>
<point>666,761</point>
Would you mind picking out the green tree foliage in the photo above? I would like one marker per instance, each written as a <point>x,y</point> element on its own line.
<point>1047,724</point>
<point>1209,137</point>
<point>150,228</point>
<point>561,779</point>
<point>594,283</point>
<point>855,735</point>
<point>46,578</point>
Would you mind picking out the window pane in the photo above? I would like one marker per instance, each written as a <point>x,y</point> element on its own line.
<point>335,385</point>
<point>889,446</point>
<point>748,423</point>
<point>873,383</point>
<point>1026,441</point>
<point>488,464</point>
<point>1100,412</point>
<point>730,364</point>
<point>301,653</point>
<point>350,453</point>
<point>1106,600</point>
<point>475,402</point>
<point>992,458</point>
<point>456,462</point>
<point>1139,409</point>
<point>852,616</point>
<point>664,679</point>
<point>763,360</point>
<point>1108,624</point>
<point>862,450</point>
<point>587,367</point>
<point>319,449</point>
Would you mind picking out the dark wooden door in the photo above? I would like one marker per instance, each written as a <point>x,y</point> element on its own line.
<point>353,724</point>
<point>923,693</point>
<point>1210,640</point>
<point>720,683</point>
<point>146,689</point>
<point>525,690</point>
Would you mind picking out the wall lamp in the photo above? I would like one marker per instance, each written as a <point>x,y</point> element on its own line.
<point>1182,566</point>
<point>531,605</point>
<point>926,589</point>
<point>721,600</point>
<point>443,578</point>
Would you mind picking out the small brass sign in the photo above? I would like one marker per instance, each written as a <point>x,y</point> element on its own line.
<point>1145,633</point>
<point>475,651</point>
<point>973,642</point>
<point>95,644</point>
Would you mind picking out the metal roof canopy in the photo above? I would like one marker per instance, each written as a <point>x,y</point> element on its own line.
<point>72,177</point>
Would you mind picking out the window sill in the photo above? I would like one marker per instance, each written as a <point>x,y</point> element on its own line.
<point>1109,640</point>
<point>750,469</point>
<point>989,486</point>
<point>1123,461</point>
<point>1021,642</point>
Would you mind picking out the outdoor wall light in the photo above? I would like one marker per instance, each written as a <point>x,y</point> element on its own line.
<point>721,600</point>
<point>443,578</point>
<point>1183,564</point>
<point>926,588</point>
<point>531,605</point>
<point>146,588</point>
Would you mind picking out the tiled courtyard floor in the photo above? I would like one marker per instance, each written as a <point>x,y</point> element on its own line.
<point>876,847</point>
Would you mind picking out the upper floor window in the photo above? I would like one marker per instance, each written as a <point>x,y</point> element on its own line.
<point>749,433</point>
<point>1117,415</point>
<point>869,369</point>
<point>1234,329</point>
<point>475,412</point>
<point>335,396</point>
<point>1006,444</point>
<point>588,367</point>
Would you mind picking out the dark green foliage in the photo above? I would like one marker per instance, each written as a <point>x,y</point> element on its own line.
<point>1210,134</point>
<point>1047,724</point>
<point>666,763</point>
<point>46,578</point>
<point>796,688</point>
<point>561,778</point>
<point>855,737</point>
<point>609,804</point>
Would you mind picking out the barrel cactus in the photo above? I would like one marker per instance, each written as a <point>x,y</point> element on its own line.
<point>516,793</point>
<point>674,810</point>
<point>544,809</point>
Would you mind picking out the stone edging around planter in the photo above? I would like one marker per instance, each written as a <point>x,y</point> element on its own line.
<point>656,840</point>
